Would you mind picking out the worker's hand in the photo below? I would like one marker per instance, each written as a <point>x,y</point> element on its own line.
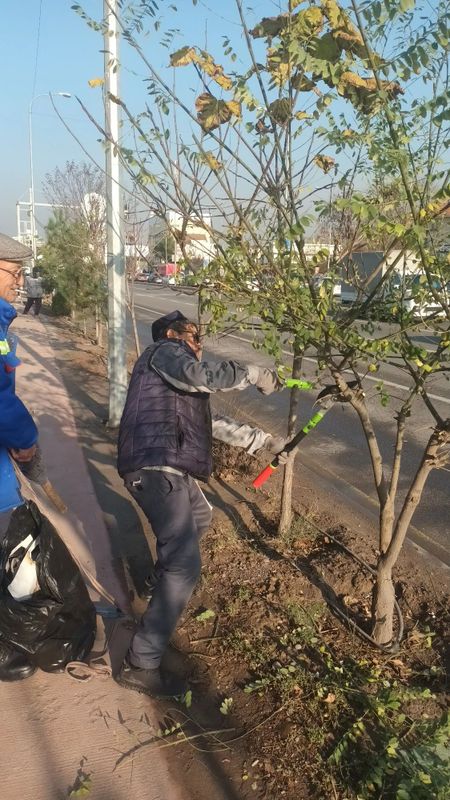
<point>34,469</point>
<point>268,381</point>
<point>276,445</point>
<point>24,455</point>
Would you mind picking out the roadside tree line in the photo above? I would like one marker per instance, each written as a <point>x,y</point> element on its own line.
<point>330,115</point>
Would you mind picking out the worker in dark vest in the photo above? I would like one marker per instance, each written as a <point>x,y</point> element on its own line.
<point>165,447</point>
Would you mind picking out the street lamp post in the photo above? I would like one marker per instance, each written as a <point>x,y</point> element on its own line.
<point>117,335</point>
<point>32,200</point>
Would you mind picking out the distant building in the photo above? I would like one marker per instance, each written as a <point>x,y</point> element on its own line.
<point>197,245</point>
<point>311,249</point>
<point>363,267</point>
<point>441,232</point>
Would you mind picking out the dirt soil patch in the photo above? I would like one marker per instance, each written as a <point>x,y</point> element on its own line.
<point>289,698</point>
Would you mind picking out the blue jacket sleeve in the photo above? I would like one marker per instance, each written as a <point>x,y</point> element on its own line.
<point>17,428</point>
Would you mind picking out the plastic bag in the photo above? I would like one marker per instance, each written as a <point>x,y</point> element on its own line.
<point>45,609</point>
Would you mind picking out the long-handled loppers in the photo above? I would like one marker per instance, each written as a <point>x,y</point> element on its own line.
<point>329,395</point>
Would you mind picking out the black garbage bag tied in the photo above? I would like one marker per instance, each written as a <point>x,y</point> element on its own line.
<point>45,609</point>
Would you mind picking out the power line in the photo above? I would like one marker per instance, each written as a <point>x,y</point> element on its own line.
<point>37,49</point>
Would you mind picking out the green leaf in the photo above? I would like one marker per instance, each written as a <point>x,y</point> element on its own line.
<point>83,788</point>
<point>204,615</point>
<point>225,707</point>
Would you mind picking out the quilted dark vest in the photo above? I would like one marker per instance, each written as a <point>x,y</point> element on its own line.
<point>163,426</point>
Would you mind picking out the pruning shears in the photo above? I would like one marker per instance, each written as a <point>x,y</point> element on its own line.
<point>328,396</point>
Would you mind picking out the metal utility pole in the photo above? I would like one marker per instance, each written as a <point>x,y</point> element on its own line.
<point>115,259</point>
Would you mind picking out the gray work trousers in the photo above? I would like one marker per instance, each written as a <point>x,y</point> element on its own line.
<point>179,514</point>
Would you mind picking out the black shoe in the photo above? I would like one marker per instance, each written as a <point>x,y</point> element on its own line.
<point>156,683</point>
<point>147,590</point>
<point>14,666</point>
<point>149,586</point>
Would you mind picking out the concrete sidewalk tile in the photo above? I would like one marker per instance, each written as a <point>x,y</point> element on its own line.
<point>53,725</point>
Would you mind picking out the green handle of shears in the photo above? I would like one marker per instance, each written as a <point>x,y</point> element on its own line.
<point>295,383</point>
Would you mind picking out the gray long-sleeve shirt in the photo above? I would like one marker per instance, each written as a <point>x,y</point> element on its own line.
<point>33,287</point>
<point>182,370</point>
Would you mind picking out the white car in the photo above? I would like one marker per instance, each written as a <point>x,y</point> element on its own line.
<point>322,278</point>
<point>419,300</point>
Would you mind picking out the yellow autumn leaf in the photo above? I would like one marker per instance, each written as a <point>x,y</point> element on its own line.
<point>278,65</point>
<point>183,57</point>
<point>212,112</point>
<point>94,82</point>
<point>363,92</point>
<point>212,162</point>
<point>280,110</point>
<point>307,23</point>
<point>189,55</point>
<point>270,27</point>
<point>324,163</point>
<point>342,29</point>
<point>215,71</point>
<point>301,83</point>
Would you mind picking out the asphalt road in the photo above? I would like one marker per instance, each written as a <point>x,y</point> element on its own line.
<point>335,455</point>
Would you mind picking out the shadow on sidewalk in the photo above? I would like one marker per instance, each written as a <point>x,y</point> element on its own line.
<point>125,526</point>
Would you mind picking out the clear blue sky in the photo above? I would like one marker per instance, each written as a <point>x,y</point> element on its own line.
<point>62,57</point>
<point>45,46</point>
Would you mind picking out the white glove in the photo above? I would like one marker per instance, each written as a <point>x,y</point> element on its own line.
<point>276,445</point>
<point>268,381</point>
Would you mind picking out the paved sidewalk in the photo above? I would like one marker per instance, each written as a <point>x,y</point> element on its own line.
<point>83,528</point>
<point>54,729</point>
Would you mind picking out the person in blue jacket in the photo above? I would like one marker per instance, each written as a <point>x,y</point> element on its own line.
<point>18,432</point>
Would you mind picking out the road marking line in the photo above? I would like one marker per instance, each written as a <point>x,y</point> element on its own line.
<point>437,397</point>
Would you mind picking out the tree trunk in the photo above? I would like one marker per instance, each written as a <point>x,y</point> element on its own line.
<point>137,343</point>
<point>100,334</point>
<point>384,595</point>
<point>288,477</point>
<point>98,326</point>
<point>131,309</point>
<point>383,605</point>
<point>387,519</point>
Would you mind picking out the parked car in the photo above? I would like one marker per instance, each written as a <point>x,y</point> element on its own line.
<point>409,294</point>
<point>142,277</point>
<point>330,282</point>
<point>417,298</point>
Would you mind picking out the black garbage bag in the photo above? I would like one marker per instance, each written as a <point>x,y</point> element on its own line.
<point>45,609</point>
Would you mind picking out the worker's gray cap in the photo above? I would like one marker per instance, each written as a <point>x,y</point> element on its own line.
<point>10,250</point>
